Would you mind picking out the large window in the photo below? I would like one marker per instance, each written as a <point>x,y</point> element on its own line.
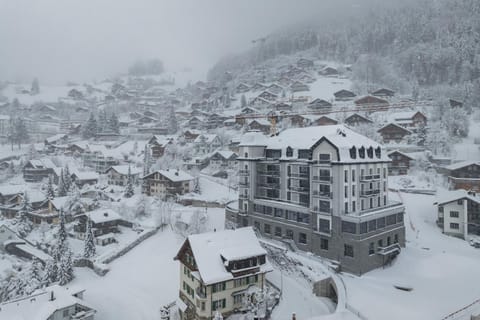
<point>324,225</point>
<point>454,214</point>
<point>324,244</point>
<point>217,287</point>
<point>266,228</point>
<point>218,304</point>
<point>371,248</point>
<point>455,226</point>
<point>302,238</point>
<point>349,227</point>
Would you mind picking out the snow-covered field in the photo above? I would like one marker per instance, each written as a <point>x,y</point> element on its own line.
<point>442,271</point>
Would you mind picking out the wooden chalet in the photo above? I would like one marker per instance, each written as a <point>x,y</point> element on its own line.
<point>393,132</point>
<point>400,164</point>
<point>371,101</point>
<point>344,95</point>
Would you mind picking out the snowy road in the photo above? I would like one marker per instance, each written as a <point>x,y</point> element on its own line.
<point>138,283</point>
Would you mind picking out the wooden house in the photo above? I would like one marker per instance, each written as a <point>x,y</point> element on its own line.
<point>400,164</point>
<point>259,124</point>
<point>464,175</point>
<point>319,105</point>
<point>357,119</point>
<point>344,95</point>
<point>167,183</point>
<point>384,93</point>
<point>371,101</point>
<point>393,132</point>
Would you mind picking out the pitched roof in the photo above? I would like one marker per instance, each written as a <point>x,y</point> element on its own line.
<point>462,164</point>
<point>209,248</point>
<point>455,195</point>
<point>392,124</point>
<point>123,169</point>
<point>103,215</point>
<point>173,175</point>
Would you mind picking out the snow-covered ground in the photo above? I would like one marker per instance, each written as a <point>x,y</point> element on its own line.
<point>441,270</point>
<point>467,150</point>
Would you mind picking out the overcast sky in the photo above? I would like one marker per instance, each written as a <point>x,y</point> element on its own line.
<point>59,40</point>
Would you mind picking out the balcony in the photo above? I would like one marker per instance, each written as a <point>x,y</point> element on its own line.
<point>370,177</point>
<point>388,250</point>
<point>299,189</point>
<point>269,172</point>
<point>322,194</point>
<point>267,185</point>
<point>370,193</point>
<point>328,179</point>
<point>299,175</point>
<point>243,172</point>
<point>200,293</point>
<point>322,210</point>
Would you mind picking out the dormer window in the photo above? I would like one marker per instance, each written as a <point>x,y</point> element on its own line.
<point>289,152</point>
<point>353,152</point>
<point>304,154</point>
<point>370,152</point>
<point>361,152</point>
<point>378,152</point>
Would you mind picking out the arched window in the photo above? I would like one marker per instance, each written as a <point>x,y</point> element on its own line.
<point>361,152</point>
<point>370,152</point>
<point>353,152</point>
<point>378,152</point>
<point>289,152</point>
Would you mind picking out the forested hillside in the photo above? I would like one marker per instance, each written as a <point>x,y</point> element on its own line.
<point>424,47</point>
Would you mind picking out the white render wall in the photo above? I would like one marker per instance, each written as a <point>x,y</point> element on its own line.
<point>461,220</point>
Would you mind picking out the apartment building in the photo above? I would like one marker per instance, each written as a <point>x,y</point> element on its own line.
<point>217,269</point>
<point>324,190</point>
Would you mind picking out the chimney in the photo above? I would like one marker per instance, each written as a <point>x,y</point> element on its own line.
<point>294,316</point>
<point>52,296</point>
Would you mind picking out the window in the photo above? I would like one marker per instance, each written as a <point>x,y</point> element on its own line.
<point>278,231</point>
<point>348,251</point>
<point>289,152</point>
<point>346,207</point>
<point>218,304</point>
<point>391,219</point>
<point>384,200</point>
<point>380,243</point>
<point>440,209</point>
<point>371,248</point>
<point>372,225</point>
<point>399,217</point>
<point>238,299</point>
<point>460,202</point>
<point>395,238</point>
<point>378,152</point>
<point>378,202</point>
<point>353,191</point>
<point>266,228</point>
<point>324,244</point>
<point>362,204</point>
<point>289,234</point>
<point>302,238</point>
<point>353,152</point>
<point>454,214</point>
<point>361,152</point>
<point>246,154</point>
<point>66,313</point>
<point>389,240</point>
<point>353,175</point>
<point>370,152</point>
<point>454,226</point>
<point>381,223</point>
<point>203,306</point>
<point>324,225</point>
<point>363,227</point>
<point>256,225</point>
<point>217,287</point>
<point>324,157</point>
<point>346,191</point>
<point>384,173</point>
<point>354,206</point>
<point>346,175</point>
<point>349,227</point>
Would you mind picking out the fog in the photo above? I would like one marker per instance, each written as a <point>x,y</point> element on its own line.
<point>58,40</point>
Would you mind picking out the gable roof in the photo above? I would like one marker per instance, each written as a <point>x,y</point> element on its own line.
<point>462,164</point>
<point>401,153</point>
<point>173,175</point>
<point>123,170</point>
<point>455,195</point>
<point>209,248</point>
<point>392,124</point>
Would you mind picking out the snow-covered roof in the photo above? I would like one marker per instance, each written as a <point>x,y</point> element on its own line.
<point>461,164</point>
<point>175,175</point>
<point>454,195</point>
<point>226,154</point>
<point>394,125</point>
<point>11,190</point>
<point>103,215</point>
<point>340,136</point>
<point>123,169</point>
<point>208,138</point>
<point>39,305</point>
<point>26,247</point>
<point>42,163</point>
<point>55,138</point>
<point>262,122</point>
<point>86,175</point>
<point>60,202</point>
<point>208,249</point>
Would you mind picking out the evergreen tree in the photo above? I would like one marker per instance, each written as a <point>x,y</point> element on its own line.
<point>91,127</point>
<point>21,132</point>
<point>24,224</point>
<point>62,190</point>
<point>35,87</point>
<point>113,124</point>
<point>74,204</point>
<point>89,249</point>
<point>243,101</point>
<point>172,122</point>
<point>102,121</point>
<point>67,179</point>
<point>146,161</point>
<point>65,267</point>
<point>62,253</point>
<point>51,272</point>
<point>50,190</point>
<point>129,192</point>
<point>34,276</point>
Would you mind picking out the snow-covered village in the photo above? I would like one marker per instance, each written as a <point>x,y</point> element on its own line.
<point>240,160</point>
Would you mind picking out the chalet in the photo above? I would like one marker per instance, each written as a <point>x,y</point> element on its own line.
<point>298,86</point>
<point>357,119</point>
<point>53,302</point>
<point>344,95</point>
<point>275,89</point>
<point>146,119</point>
<point>371,101</point>
<point>282,106</point>
<point>400,164</point>
<point>242,87</point>
<point>98,161</point>
<point>298,120</point>
<point>464,175</point>
<point>167,183</point>
<point>216,271</point>
<point>249,110</point>
<point>105,224</point>
<point>384,93</point>
<point>306,78</point>
<point>9,191</point>
<point>329,72</point>
<point>305,63</point>
<point>37,170</point>
<point>323,121</point>
<point>190,135</point>
<point>46,108</point>
<point>206,143</point>
<point>320,104</point>
<point>455,103</point>
<point>224,159</point>
<point>118,175</point>
<point>195,123</point>
<point>259,86</point>
<point>260,125</point>
<point>459,213</point>
<point>84,178</point>
<point>260,102</point>
<point>410,119</point>
<point>215,121</point>
<point>158,144</point>
<point>267,95</point>
<point>11,206</point>
<point>393,133</point>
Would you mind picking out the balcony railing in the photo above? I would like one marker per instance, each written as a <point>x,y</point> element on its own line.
<point>243,172</point>
<point>299,189</point>
<point>322,210</point>
<point>369,193</point>
<point>391,249</point>
<point>322,194</point>
<point>269,185</point>
<point>370,177</point>
<point>269,172</point>
<point>323,178</point>
<point>300,175</point>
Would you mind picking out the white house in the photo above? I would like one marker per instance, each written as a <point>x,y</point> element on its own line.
<point>163,183</point>
<point>54,302</point>
<point>118,175</point>
<point>216,270</point>
<point>206,143</point>
<point>459,213</point>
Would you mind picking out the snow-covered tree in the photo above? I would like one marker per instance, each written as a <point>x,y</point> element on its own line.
<point>146,160</point>
<point>34,276</point>
<point>113,123</point>
<point>24,226</point>
<point>129,192</point>
<point>62,254</point>
<point>50,190</point>
<point>102,121</point>
<point>21,132</point>
<point>89,248</point>
<point>74,203</point>
<point>243,101</point>
<point>67,179</point>
<point>51,272</point>
<point>218,316</point>
<point>65,267</point>
<point>172,121</point>
<point>90,128</point>
<point>35,87</point>
<point>62,188</point>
